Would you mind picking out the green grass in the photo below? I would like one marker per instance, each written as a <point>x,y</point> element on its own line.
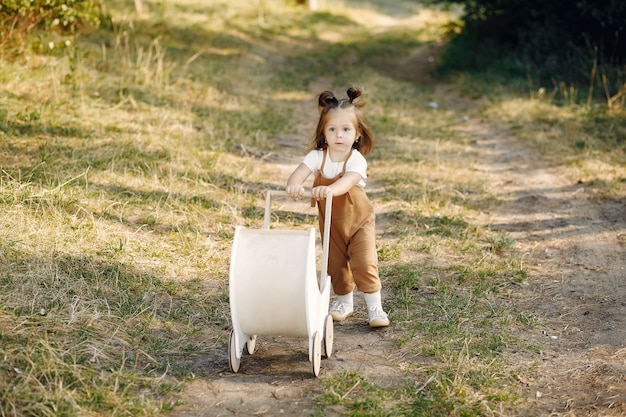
<point>123,176</point>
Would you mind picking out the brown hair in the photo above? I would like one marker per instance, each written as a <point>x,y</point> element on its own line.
<point>327,102</point>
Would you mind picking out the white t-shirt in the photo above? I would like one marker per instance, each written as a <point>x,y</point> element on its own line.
<point>356,163</point>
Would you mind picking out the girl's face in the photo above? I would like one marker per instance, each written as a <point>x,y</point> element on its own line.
<point>340,132</point>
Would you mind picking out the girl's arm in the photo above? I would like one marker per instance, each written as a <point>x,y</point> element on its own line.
<point>339,187</point>
<point>294,184</point>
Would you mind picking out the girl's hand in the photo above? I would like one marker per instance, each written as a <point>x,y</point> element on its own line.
<point>295,191</point>
<point>319,193</point>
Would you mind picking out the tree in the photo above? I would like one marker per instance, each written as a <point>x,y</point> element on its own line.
<point>547,34</point>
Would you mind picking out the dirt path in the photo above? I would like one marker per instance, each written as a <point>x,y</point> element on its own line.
<point>277,379</point>
<point>574,246</point>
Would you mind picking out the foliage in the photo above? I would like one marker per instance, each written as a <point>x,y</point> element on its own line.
<point>545,36</point>
<point>20,17</point>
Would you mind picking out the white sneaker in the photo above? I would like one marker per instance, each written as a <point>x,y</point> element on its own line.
<point>341,311</point>
<point>377,316</point>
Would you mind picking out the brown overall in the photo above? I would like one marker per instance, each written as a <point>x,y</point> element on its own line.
<point>352,257</point>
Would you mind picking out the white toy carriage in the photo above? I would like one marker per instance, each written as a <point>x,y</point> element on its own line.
<point>274,290</point>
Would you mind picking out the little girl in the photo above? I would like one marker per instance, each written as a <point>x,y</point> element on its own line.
<point>336,158</point>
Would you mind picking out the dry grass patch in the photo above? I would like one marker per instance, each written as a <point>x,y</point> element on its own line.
<point>590,142</point>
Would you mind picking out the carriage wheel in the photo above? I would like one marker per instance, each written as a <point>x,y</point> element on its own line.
<point>329,335</point>
<point>317,353</point>
<point>251,345</point>
<point>233,361</point>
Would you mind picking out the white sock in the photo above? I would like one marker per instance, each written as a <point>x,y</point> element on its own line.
<point>373,299</point>
<point>347,299</point>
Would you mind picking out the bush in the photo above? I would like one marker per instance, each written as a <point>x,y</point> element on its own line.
<point>21,17</point>
<point>552,38</point>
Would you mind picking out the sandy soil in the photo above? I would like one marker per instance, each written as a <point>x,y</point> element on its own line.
<point>574,247</point>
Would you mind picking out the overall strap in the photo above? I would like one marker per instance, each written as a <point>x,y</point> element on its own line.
<point>346,163</point>
<point>318,175</point>
<point>323,159</point>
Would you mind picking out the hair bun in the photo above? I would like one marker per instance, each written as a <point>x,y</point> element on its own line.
<point>326,99</point>
<point>354,93</point>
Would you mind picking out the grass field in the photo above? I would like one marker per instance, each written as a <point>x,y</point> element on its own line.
<point>130,153</point>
